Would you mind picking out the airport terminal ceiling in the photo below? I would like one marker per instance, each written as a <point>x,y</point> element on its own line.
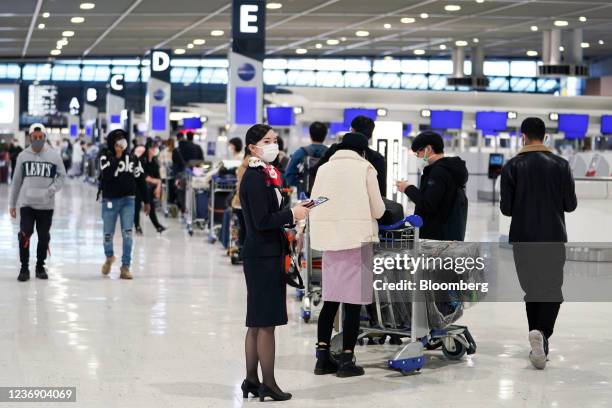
<point>319,28</point>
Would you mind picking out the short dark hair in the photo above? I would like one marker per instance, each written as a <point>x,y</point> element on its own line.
<point>179,136</point>
<point>237,143</point>
<point>364,125</point>
<point>318,132</point>
<point>428,138</point>
<point>190,136</point>
<point>281,143</point>
<point>533,128</point>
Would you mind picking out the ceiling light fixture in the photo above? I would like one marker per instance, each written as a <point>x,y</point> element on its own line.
<point>301,51</point>
<point>362,33</point>
<point>452,7</point>
<point>199,41</point>
<point>532,53</point>
<point>419,52</point>
<point>318,45</point>
<point>273,6</point>
<point>62,42</point>
<point>582,19</point>
<point>41,26</point>
<point>408,20</point>
<point>55,52</point>
<point>342,39</point>
<point>461,43</point>
<point>87,6</point>
<point>601,42</point>
<point>179,51</point>
<point>190,46</point>
<point>561,48</point>
<point>68,34</point>
<point>46,15</point>
<point>561,23</point>
<point>480,1</point>
<point>331,41</point>
<point>424,16</point>
<point>387,26</point>
<point>77,20</point>
<point>585,45</point>
<point>534,28</point>
<point>217,33</point>
<point>388,58</point>
<point>476,40</point>
<point>442,46</point>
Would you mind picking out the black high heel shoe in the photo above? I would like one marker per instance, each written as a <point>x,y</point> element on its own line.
<point>265,391</point>
<point>250,387</point>
<point>161,229</point>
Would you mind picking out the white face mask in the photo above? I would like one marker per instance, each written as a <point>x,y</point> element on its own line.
<point>122,143</point>
<point>422,162</point>
<point>269,152</point>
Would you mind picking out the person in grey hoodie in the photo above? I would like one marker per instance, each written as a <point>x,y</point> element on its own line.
<point>39,174</point>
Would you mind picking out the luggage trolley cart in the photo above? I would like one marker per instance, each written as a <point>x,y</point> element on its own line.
<point>312,294</point>
<point>455,340</point>
<point>195,193</point>
<point>220,186</point>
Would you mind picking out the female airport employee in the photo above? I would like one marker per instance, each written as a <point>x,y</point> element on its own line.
<point>264,248</point>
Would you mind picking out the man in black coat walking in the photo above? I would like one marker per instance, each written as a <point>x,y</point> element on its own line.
<point>537,189</point>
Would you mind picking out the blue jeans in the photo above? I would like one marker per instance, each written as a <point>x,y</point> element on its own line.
<point>122,208</point>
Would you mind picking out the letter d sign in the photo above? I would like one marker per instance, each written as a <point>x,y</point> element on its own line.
<point>160,61</point>
<point>248,15</point>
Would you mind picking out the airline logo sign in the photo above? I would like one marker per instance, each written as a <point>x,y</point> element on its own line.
<point>160,65</point>
<point>249,28</point>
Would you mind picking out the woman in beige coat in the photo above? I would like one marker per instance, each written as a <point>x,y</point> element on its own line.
<point>342,228</point>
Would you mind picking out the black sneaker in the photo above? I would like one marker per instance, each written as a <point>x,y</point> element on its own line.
<point>138,231</point>
<point>24,275</point>
<point>41,272</point>
<point>347,366</point>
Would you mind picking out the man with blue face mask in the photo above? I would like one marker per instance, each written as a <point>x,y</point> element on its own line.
<point>440,198</point>
<point>39,174</point>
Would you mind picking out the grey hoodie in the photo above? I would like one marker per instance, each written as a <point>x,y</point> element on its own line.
<point>38,176</point>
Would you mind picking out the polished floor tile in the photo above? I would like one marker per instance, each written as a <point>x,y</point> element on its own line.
<point>173,337</point>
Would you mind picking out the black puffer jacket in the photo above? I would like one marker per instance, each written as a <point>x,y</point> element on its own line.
<point>435,197</point>
<point>537,189</point>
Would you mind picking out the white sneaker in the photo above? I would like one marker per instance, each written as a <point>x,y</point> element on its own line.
<point>537,356</point>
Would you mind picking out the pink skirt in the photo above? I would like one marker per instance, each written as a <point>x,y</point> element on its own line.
<point>347,276</point>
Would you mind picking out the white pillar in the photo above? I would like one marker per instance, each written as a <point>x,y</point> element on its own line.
<point>458,62</point>
<point>575,46</point>
<point>546,47</point>
<point>555,43</point>
<point>477,62</point>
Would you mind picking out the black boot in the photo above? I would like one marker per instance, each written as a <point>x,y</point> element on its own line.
<point>24,274</point>
<point>325,365</point>
<point>250,387</point>
<point>41,272</point>
<point>347,367</point>
<point>265,391</point>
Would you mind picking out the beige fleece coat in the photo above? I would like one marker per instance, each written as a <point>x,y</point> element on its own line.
<point>348,219</point>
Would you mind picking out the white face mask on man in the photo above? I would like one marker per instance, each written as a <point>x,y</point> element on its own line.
<point>269,152</point>
<point>423,162</point>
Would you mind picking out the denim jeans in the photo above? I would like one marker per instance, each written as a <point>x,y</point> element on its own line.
<point>122,208</point>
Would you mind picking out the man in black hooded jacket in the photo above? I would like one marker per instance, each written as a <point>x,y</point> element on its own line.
<point>440,199</point>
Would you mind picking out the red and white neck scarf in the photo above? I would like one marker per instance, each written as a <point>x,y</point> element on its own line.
<point>271,173</point>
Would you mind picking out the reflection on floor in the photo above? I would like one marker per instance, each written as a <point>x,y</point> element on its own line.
<point>173,337</point>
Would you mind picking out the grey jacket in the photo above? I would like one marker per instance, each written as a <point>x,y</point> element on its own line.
<point>38,176</point>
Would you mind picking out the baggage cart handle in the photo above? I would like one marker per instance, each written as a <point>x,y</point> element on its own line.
<point>414,220</point>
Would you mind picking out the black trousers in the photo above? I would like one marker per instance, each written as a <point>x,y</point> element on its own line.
<point>152,213</point>
<point>350,326</point>
<point>540,271</point>
<point>30,218</point>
